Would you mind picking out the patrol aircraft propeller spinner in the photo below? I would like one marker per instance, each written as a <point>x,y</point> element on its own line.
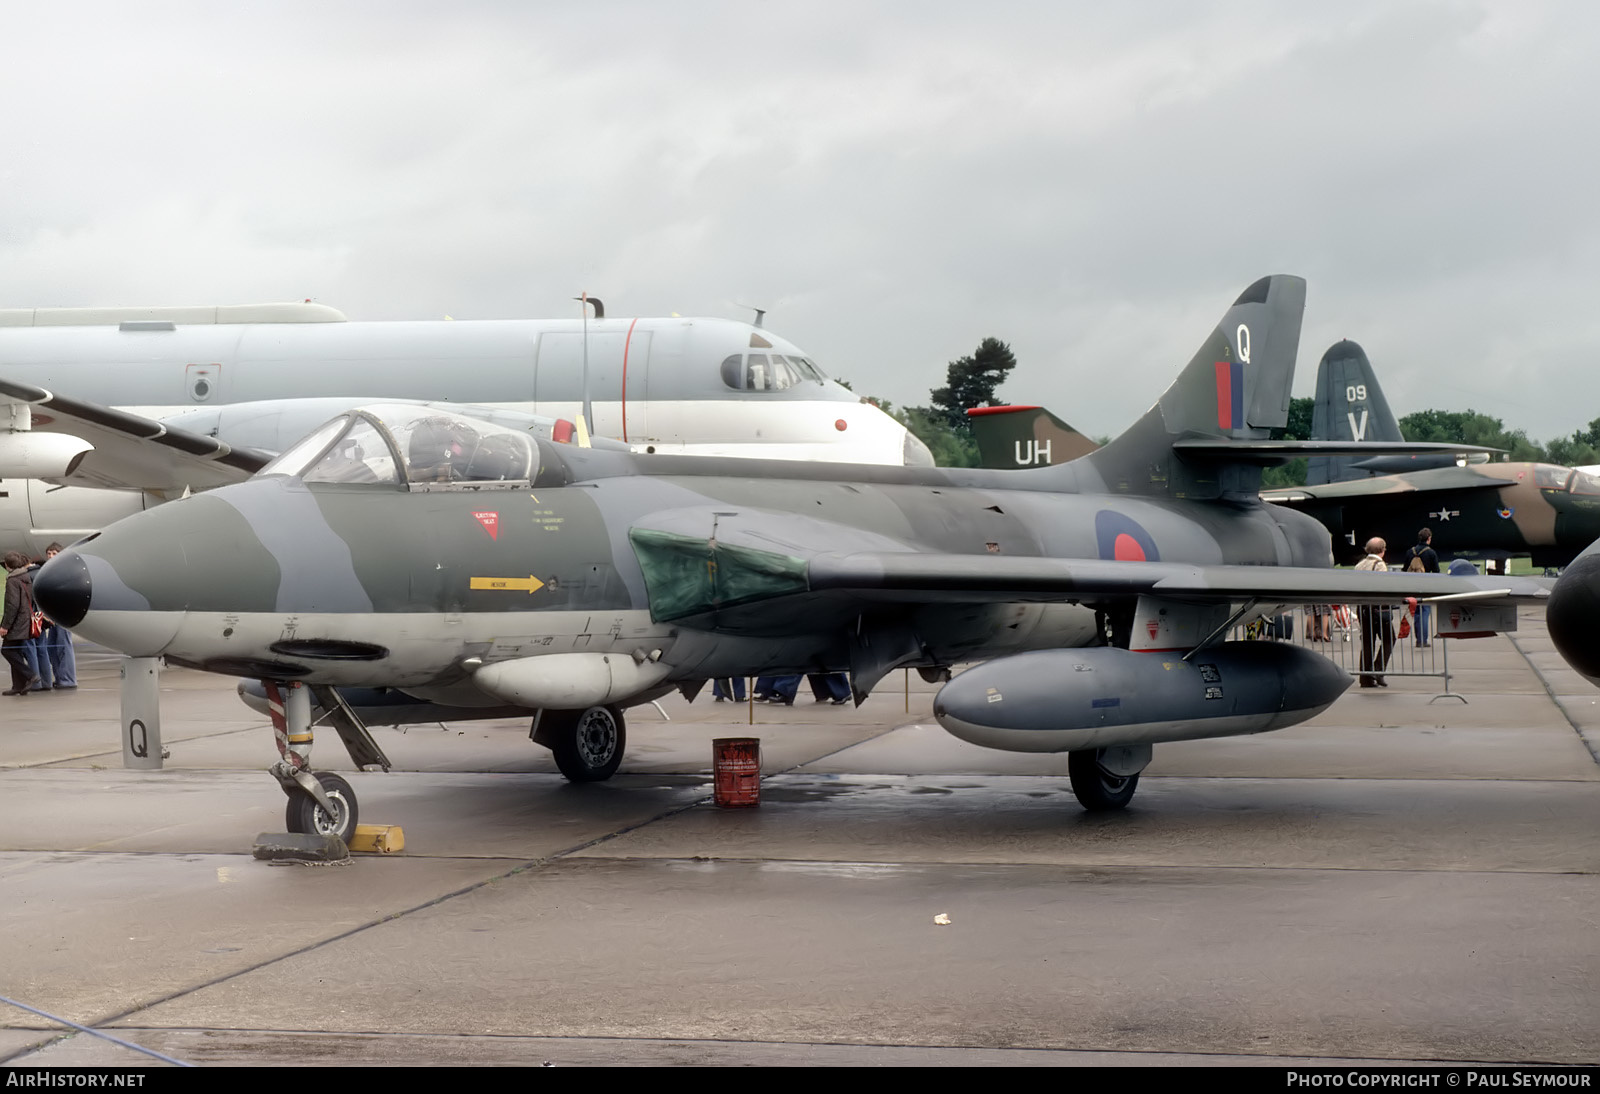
<point>467,565</point>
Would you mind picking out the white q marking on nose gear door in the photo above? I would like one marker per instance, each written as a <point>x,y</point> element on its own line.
<point>1242,336</point>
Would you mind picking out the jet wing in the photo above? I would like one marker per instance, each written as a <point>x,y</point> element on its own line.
<point>1439,478</point>
<point>1269,452</point>
<point>133,452</point>
<point>740,586</point>
<point>914,577</point>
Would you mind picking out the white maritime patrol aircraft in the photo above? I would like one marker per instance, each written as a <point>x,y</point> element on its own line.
<point>260,376</point>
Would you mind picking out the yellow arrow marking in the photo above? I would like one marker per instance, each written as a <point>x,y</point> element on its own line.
<point>528,584</point>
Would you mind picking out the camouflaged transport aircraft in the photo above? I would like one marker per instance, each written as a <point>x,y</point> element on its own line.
<point>467,565</point>
<point>196,384</point>
<point>1538,509</point>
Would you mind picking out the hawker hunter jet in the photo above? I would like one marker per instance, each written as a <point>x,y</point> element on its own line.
<point>470,566</point>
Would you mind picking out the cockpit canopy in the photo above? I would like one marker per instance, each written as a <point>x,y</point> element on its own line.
<point>418,446</point>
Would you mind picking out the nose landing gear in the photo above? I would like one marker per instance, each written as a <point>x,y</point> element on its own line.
<point>320,803</point>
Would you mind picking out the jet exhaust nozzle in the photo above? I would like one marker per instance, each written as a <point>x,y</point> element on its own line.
<point>1065,700</point>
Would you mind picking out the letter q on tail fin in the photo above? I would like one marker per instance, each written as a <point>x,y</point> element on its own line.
<point>1234,390</point>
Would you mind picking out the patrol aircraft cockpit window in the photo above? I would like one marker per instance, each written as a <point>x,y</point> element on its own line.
<point>768,372</point>
<point>807,369</point>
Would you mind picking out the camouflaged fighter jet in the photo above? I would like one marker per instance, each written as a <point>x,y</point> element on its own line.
<point>1538,509</point>
<point>465,564</point>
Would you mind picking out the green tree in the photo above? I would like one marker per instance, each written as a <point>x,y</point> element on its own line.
<point>1589,435</point>
<point>1572,452</point>
<point>949,447</point>
<point>1469,427</point>
<point>1298,428</point>
<point>971,381</point>
<point>1582,449</point>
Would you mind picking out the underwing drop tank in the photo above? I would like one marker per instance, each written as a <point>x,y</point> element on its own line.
<point>1101,697</point>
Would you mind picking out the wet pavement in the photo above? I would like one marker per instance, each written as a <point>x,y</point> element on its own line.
<point>1398,880</point>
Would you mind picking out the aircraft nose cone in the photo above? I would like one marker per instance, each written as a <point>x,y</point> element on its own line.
<point>62,589</point>
<point>1572,610</point>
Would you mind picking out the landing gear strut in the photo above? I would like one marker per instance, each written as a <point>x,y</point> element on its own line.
<point>588,744</point>
<point>320,803</point>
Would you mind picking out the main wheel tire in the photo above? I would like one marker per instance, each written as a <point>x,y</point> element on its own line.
<point>1097,789</point>
<point>589,744</point>
<point>304,814</point>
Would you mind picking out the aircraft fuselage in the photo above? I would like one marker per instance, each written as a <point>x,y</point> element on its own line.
<point>321,581</point>
<point>1549,512</point>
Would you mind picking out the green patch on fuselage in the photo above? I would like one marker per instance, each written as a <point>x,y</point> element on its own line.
<point>688,576</point>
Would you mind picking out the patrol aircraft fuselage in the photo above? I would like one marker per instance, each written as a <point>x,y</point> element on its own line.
<point>252,375</point>
<point>464,565</point>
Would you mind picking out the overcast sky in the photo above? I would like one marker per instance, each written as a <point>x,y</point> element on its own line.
<point>1092,183</point>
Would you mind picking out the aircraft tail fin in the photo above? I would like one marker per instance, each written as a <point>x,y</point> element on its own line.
<point>1350,406</point>
<point>1234,390</point>
<point>1010,437</point>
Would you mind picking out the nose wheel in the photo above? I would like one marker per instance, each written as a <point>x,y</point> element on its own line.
<point>304,813</point>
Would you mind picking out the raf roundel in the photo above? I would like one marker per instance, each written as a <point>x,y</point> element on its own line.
<point>1122,538</point>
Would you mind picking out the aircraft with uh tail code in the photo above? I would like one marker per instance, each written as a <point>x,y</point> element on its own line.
<point>463,564</point>
<point>1024,436</point>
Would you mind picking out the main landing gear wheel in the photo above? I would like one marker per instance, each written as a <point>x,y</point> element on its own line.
<point>303,814</point>
<point>588,744</point>
<point>1097,789</point>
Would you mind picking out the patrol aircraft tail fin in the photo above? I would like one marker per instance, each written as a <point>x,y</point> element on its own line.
<point>1011,437</point>
<point>1351,406</point>
<point>1206,437</point>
